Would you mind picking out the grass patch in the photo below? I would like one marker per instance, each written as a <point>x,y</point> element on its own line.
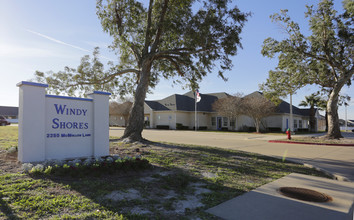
<point>183,182</point>
<point>244,132</point>
<point>8,137</point>
<point>321,140</point>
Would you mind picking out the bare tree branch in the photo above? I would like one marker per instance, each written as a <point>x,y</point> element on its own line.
<point>159,29</point>
<point>107,78</point>
<point>148,31</point>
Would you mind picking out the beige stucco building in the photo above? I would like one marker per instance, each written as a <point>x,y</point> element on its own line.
<point>178,111</point>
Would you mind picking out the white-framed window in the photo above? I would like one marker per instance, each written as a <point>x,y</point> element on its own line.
<point>232,122</point>
<point>213,121</point>
<point>225,121</point>
<point>300,123</point>
<point>295,123</point>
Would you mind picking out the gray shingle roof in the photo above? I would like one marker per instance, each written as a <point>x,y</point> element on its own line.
<point>186,102</point>
<point>284,107</point>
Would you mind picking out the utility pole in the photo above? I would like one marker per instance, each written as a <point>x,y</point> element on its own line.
<point>195,114</point>
<point>197,99</point>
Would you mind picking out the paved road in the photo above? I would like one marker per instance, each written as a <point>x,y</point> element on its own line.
<point>334,159</point>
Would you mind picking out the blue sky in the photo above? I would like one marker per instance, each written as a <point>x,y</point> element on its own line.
<point>49,35</point>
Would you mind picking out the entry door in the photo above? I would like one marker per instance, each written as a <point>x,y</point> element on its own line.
<point>287,124</point>
<point>219,123</point>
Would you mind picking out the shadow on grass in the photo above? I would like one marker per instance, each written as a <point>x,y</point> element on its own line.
<point>6,209</point>
<point>154,200</point>
<point>176,167</point>
<point>245,163</point>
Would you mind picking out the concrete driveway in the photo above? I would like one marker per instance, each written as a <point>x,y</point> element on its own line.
<point>337,160</point>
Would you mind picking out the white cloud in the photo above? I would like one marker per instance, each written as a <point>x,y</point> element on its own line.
<point>66,44</point>
<point>57,41</point>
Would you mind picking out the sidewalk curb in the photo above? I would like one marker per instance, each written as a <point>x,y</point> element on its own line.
<point>309,143</point>
<point>265,202</point>
<point>333,175</point>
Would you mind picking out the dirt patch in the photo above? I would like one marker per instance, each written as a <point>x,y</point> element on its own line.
<point>9,163</point>
<point>131,194</point>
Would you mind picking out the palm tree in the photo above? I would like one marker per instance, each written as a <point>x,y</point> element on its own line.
<point>313,100</point>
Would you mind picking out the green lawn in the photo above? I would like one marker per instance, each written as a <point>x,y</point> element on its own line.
<point>8,136</point>
<point>184,181</point>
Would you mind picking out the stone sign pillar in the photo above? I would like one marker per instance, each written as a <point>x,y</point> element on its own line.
<point>31,122</point>
<point>101,123</point>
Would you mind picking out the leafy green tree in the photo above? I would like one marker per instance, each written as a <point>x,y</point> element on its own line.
<point>180,39</point>
<point>324,58</point>
<point>312,101</point>
<point>281,84</point>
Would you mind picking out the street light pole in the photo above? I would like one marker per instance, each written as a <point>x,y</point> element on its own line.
<point>346,119</point>
<point>291,113</point>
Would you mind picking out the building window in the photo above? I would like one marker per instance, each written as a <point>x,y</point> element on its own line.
<point>213,121</point>
<point>146,121</point>
<point>232,123</point>
<point>300,123</point>
<point>295,124</point>
<point>225,121</point>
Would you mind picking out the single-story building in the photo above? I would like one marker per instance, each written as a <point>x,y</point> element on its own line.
<point>178,111</point>
<point>10,113</point>
<point>117,120</point>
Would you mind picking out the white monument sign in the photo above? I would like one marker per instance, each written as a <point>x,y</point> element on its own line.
<point>61,127</point>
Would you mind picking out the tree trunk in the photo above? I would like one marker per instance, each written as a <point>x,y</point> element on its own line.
<point>332,114</point>
<point>312,119</point>
<point>135,125</point>
<point>326,117</point>
<point>257,123</point>
<point>126,118</point>
<point>332,106</point>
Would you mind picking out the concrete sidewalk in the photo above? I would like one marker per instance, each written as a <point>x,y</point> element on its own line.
<point>266,202</point>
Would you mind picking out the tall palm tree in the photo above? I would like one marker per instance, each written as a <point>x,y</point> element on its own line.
<point>313,100</point>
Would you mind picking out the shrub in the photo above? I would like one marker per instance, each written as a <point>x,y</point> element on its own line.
<point>89,166</point>
<point>166,127</point>
<point>303,130</point>
<point>274,129</point>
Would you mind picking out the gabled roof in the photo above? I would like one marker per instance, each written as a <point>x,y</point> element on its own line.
<point>8,111</point>
<point>284,107</point>
<point>155,105</point>
<point>186,102</point>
